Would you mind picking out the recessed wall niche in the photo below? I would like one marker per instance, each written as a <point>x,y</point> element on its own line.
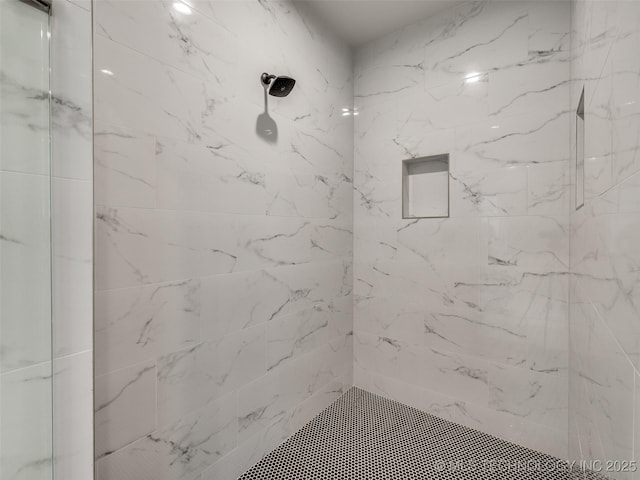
<point>580,152</point>
<point>425,187</point>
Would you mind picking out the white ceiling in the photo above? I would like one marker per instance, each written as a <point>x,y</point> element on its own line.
<point>359,21</point>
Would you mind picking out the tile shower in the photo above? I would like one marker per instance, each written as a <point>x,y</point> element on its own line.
<point>413,258</point>
<point>243,283</point>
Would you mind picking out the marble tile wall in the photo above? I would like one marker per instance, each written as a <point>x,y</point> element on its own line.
<point>25,286</point>
<point>72,239</point>
<point>47,256</point>
<point>604,328</point>
<point>466,316</point>
<point>223,265</point>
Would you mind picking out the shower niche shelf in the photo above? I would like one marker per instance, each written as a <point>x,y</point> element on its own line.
<point>580,152</point>
<point>425,187</point>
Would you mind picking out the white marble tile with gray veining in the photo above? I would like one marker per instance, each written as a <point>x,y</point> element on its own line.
<point>388,356</point>
<point>607,381</point>
<point>240,300</point>
<point>625,94</point>
<point>124,406</point>
<point>281,241</point>
<point>73,405</point>
<point>191,378</point>
<point>72,265</point>
<point>71,92</point>
<point>25,409</point>
<point>217,178</point>
<point>191,244</point>
<point>501,192</point>
<point>539,397</point>
<point>181,450</point>
<point>548,189</point>
<point>180,37</point>
<point>139,323</point>
<point>538,87</point>
<point>266,399</point>
<point>295,334</point>
<point>479,37</point>
<point>534,138</point>
<point>125,167</point>
<point>509,427</point>
<point>144,94</point>
<point>529,243</point>
<point>240,459</point>
<point>312,151</point>
<point>25,90</point>
<point>519,294</point>
<point>25,240</point>
<point>310,195</point>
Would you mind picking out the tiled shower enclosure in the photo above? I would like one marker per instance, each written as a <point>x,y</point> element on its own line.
<point>246,276</point>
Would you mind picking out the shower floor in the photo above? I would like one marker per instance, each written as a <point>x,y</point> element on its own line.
<point>365,436</point>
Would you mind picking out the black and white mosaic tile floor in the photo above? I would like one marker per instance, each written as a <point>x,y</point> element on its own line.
<point>365,436</point>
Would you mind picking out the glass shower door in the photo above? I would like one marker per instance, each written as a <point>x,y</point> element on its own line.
<point>25,244</point>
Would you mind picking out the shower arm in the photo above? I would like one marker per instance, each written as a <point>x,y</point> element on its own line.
<point>266,78</point>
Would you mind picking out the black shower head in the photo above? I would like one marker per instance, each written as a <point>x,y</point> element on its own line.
<point>278,86</point>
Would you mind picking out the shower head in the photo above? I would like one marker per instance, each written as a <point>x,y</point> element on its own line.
<point>278,86</point>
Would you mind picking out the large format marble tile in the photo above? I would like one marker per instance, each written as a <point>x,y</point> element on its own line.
<point>486,37</point>
<point>609,280</point>
<point>541,87</point>
<point>71,90</point>
<point>625,93</point>
<point>73,406</point>
<point>500,192</point>
<point>532,244</point>
<point>141,93</point>
<point>241,300</point>
<point>25,118</point>
<point>72,266</point>
<point>26,412</point>
<point>280,241</point>
<point>296,334</point>
<point>218,178</point>
<point>191,378</point>
<point>537,137</point>
<point>265,400</point>
<point>236,301</point>
<point>386,356</point>
<point>141,323</point>
<point>185,40</point>
<point>606,396</point>
<point>26,270</point>
<point>537,397</point>
<point>129,243</point>
<point>180,450</point>
<point>548,189</point>
<point>125,167</point>
<point>464,412</point>
<point>124,406</point>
